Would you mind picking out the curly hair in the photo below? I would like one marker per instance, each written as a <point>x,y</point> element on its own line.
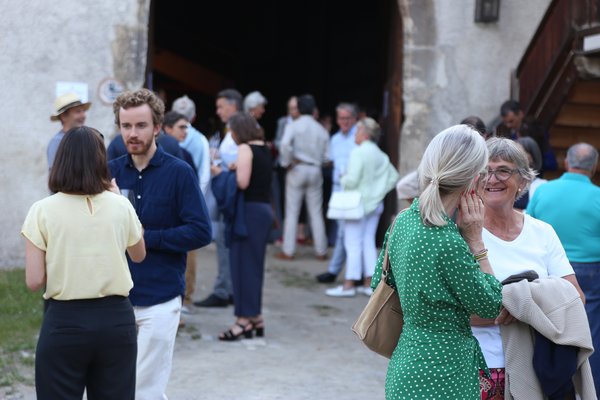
<point>137,98</point>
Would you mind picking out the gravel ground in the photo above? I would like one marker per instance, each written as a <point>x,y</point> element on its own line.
<point>309,351</point>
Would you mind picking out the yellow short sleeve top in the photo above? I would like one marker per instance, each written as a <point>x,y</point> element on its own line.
<point>85,238</point>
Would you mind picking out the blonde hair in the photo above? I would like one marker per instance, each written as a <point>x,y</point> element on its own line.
<point>452,160</point>
<point>371,127</point>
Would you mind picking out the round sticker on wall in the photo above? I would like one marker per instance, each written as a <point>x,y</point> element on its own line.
<point>109,89</point>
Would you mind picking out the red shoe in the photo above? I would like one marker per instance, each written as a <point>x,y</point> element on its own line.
<point>282,256</point>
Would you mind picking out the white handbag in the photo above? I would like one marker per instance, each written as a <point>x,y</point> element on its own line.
<point>345,205</point>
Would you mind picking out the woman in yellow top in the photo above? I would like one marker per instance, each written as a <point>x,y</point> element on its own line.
<point>75,242</point>
<point>442,274</point>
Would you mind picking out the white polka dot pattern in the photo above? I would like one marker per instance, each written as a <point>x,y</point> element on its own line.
<point>440,286</point>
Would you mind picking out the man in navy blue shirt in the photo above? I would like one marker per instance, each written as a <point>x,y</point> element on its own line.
<point>166,195</point>
<point>169,144</point>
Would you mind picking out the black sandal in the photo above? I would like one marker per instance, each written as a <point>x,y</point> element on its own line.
<point>230,336</point>
<point>259,327</point>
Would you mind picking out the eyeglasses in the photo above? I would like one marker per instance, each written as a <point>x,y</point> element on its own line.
<point>502,174</point>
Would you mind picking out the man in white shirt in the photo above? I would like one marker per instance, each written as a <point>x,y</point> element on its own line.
<point>341,145</point>
<point>304,148</point>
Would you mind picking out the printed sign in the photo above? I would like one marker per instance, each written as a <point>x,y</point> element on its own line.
<point>79,88</point>
<point>109,89</point>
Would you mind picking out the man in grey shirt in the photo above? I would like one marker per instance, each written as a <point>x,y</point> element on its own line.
<point>304,148</point>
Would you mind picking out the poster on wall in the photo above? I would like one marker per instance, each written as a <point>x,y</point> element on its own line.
<point>79,88</point>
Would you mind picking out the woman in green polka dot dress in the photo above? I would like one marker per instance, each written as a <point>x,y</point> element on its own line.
<point>442,274</point>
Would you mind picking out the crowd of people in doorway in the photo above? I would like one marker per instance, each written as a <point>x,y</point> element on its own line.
<point>485,250</point>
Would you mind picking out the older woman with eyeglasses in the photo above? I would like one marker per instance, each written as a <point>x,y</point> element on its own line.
<point>516,242</point>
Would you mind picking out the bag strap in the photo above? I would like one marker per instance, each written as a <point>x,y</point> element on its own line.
<point>385,267</point>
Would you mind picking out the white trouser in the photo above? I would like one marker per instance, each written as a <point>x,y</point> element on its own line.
<point>300,182</point>
<point>359,242</point>
<point>157,327</point>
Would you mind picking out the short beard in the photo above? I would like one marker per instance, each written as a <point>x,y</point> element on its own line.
<point>145,147</point>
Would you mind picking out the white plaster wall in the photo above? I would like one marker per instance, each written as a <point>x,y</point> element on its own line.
<point>41,43</point>
<point>454,67</point>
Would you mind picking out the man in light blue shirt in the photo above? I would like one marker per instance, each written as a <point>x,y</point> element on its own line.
<point>340,146</point>
<point>571,204</point>
<point>195,142</point>
<point>197,146</point>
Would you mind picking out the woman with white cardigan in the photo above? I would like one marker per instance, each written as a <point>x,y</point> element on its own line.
<point>370,173</point>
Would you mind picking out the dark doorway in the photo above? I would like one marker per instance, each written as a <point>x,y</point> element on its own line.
<point>338,50</point>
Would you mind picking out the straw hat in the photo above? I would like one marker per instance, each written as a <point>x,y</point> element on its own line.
<point>66,101</point>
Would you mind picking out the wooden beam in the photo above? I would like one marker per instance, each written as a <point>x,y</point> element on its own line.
<point>189,73</point>
<point>585,92</point>
<point>580,115</point>
<point>564,137</point>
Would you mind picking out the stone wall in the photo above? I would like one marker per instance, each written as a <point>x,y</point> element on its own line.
<point>454,67</point>
<point>42,43</point>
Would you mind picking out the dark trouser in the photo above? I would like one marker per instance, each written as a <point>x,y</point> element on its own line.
<point>247,257</point>
<point>588,276</point>
<point>277,184</point>
<point>87,344</point>
<point>222,287</point>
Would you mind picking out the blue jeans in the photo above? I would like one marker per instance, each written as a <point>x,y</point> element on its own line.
<point>339,252</point>
<point>588,276</point>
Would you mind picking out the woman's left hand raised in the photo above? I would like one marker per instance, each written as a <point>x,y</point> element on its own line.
<point>470,220</point>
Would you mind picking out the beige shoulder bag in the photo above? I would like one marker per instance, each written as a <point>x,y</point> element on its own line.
<point>380,324</point>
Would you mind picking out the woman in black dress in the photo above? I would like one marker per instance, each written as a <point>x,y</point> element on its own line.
<point>247,255</point>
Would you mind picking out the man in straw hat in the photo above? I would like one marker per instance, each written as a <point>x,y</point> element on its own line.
<point>70,111</point>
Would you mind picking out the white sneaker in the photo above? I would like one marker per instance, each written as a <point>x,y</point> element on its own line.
<point>339,291</point>
<point>366,290</point>
<point>185,309</point>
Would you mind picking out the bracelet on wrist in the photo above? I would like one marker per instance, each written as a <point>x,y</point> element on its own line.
<point>481,255</point>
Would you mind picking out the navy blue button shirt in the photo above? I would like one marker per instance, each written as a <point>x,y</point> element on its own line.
<point>171,208</point>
